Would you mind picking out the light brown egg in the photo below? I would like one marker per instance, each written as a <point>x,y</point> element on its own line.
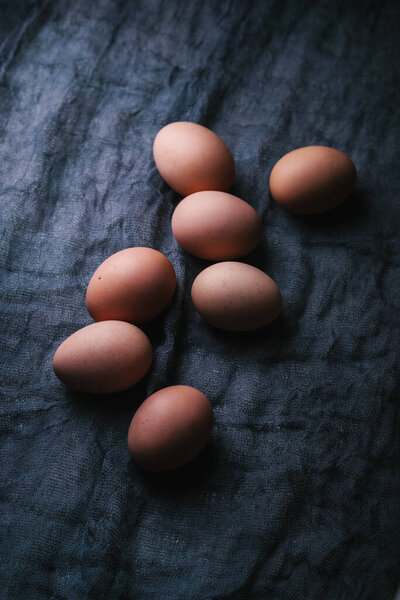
<point>236,297</point>
<point>103,358</point>
<point>312,180</point>
<point>192,158</point>
<point>170,428</point>
<point>133,285</point>
<point>216,226</point>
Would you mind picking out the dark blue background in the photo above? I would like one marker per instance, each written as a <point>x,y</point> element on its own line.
<point>298,495</point>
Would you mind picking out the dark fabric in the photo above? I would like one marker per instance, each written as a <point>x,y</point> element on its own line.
<point>298,496</point>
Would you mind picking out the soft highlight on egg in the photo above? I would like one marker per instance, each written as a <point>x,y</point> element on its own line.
<point>216,226</point>
<point>192,158</point>
<point>135,285</point>
<point>235,296</point>
<point>103,358</point>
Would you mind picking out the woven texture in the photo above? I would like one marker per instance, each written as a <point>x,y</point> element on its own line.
<point>297,497</point>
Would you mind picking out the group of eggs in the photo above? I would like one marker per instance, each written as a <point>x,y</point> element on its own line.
<point>135,285</point>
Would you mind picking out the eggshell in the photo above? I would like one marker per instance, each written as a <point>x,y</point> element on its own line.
<point>236,297</point>
<point>312,180</point>
<point>192,158</point>
<point>216,226</point>
<point>103,358</point>
<point>170,428</point>
<point>135,285</point>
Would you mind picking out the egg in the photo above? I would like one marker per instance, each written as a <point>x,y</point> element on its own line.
<point>170,428</point>
<point>103,358</point>
<point>135,285</point>
<point>312,180</point>
<point>236,297</point>
<point>216,226</point>
<point>192,158</point>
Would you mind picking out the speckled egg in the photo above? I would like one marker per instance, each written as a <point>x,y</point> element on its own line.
<point>103,358</point>
<point>135,285</point>
<point>236,297</point>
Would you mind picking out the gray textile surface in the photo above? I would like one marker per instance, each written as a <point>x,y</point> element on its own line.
<point>298,496</point>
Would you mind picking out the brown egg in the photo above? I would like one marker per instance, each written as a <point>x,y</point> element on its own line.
<point>236,297</point>
<point>170,428</point>
<point>133,285</point>
<point>192,158</point>
<point>216,226</point>
<point>103,358</point>
<point>312,180</point>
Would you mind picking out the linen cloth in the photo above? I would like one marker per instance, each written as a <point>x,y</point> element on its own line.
<point>297,495</point>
